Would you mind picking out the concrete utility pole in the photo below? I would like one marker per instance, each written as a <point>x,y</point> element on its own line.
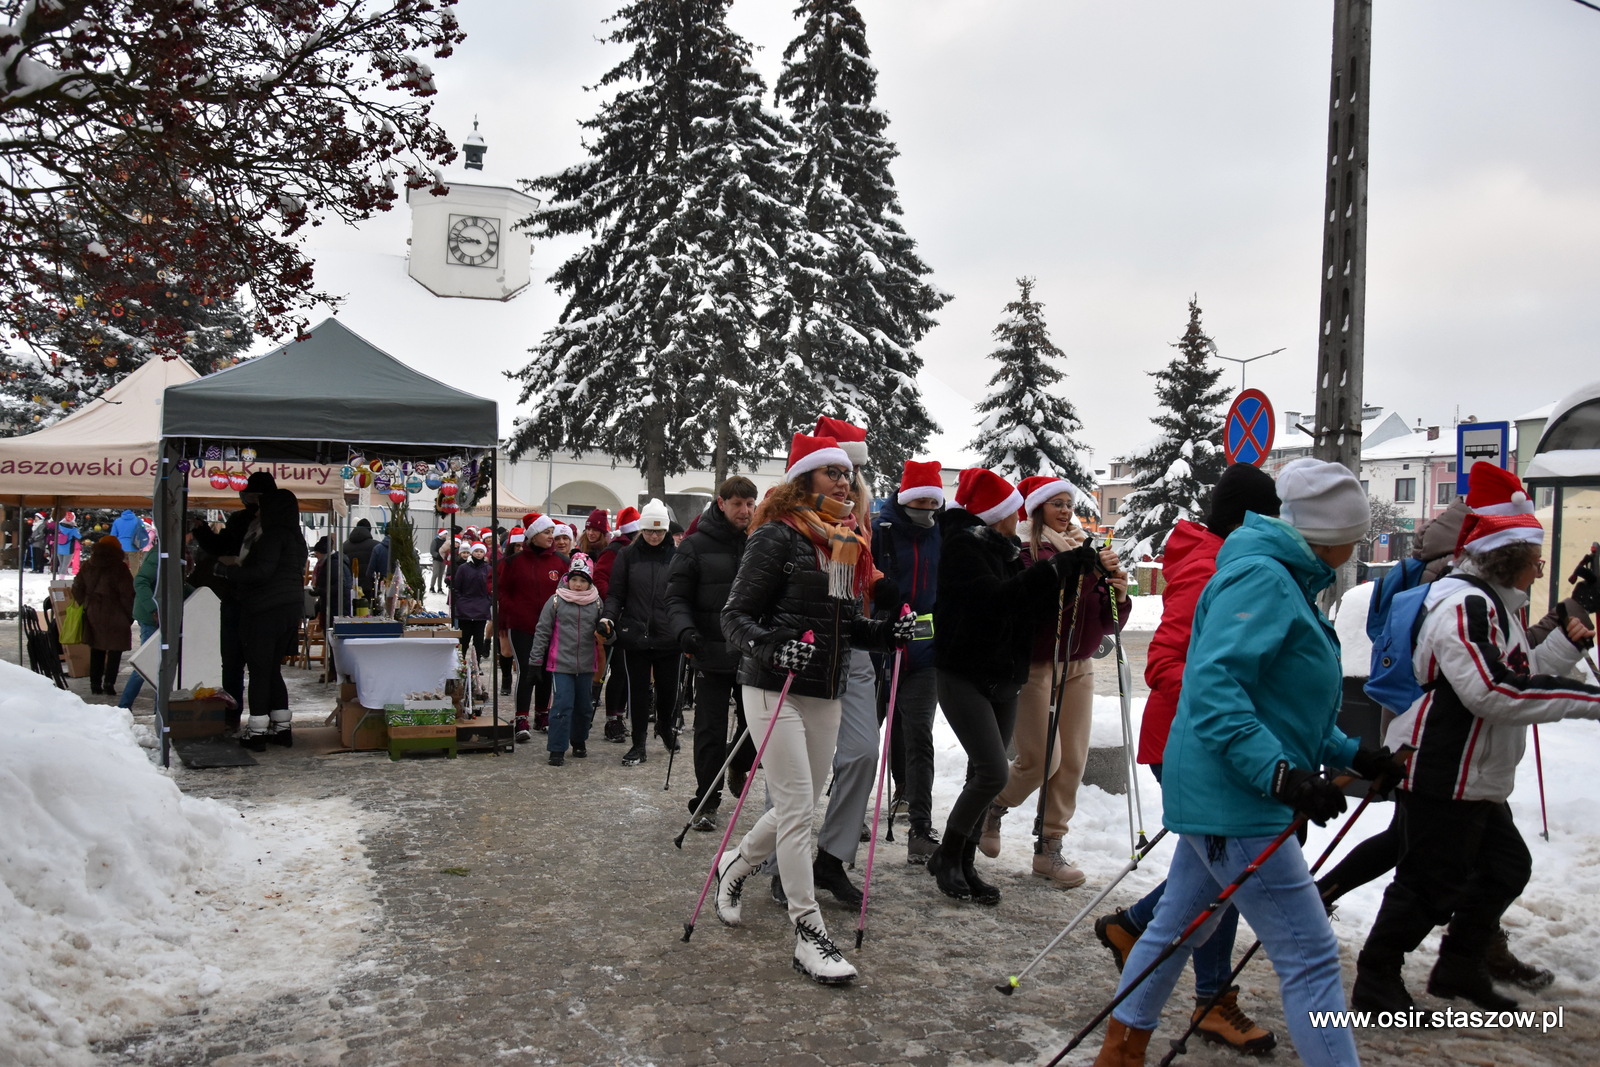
<point>1341,327</point>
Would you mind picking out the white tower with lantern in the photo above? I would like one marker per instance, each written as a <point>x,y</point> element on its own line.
<point>462,243</point>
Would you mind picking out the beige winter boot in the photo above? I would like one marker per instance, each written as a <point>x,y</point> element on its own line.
<point>1050,863</point>
<point>989,841</point>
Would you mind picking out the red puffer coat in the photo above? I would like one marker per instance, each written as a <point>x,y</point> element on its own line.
<point>1189,562</point>
<point>524,583</point>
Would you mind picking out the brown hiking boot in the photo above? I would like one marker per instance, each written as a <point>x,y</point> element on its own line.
<point>1227,1024</point>
<point>989,840</point>
<point>1504,966</point>
<point>1116,932</point>
<point>1124,1046</point>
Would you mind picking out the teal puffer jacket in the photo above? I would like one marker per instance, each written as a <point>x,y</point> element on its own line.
<point>1263,684</point>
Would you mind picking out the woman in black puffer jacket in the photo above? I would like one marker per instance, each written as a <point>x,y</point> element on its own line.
<point>270,582</point>
<point>636,606</point>
<point>989,607</point>
<point>805,568</point>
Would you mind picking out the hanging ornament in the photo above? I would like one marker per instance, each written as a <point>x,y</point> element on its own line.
<point>392,468</point>
<point>347,472</point>
<point>230,454</point>
<point>213,453</point>
<point>456,463</point>
<point>375,466</point>
<point>219,478</point>
<point>237,480</point>
<point>247,454</point>
<point>448,490</point>
<point>443,465</point>
<point>382,482</point>
<point>405,467</point>
<point>414,484</point>
<point>356,460</point>
<point>363,478</point>
<point>448,507</point>
<point>183,466</point>
<point>398,494</point>
<point>433,481</point>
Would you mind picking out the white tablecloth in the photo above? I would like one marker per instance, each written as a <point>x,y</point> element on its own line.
<point>385,669</point>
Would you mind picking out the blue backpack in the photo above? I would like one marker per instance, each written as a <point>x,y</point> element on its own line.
<point>1397,613</point>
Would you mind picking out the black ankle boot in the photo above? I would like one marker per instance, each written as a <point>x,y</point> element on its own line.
<point>1505,967</point>
<point>1464,975</point>
<point>1378,985</point>
<point>827,872</point>
<point>945,866</point>
<point>982,892</point>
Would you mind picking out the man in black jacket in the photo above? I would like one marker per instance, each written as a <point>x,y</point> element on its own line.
<point>697,588</point>
<point>229,543</point>
<point>358,550</point>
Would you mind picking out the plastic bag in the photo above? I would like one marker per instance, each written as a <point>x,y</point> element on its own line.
<point>71,627</point>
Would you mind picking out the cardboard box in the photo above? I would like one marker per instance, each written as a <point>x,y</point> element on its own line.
<point>77,660</point>
<point>361,728</point>
<point>347,691</point>
<point>196,718</point>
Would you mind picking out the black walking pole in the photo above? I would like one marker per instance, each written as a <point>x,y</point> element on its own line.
<point>685,693</point>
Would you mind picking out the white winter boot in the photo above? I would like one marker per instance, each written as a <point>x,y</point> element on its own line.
<point>254,735</point>
<point>281,730</point>
<point>815,954</point>
<point>732,870</point>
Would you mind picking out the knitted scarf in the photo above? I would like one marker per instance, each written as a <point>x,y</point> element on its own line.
<point>588,596</point>
<point>830,525</point>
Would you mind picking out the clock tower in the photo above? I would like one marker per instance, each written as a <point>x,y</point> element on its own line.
<point>462,243</point>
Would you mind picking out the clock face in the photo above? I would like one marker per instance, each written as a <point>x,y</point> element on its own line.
<point>474,240</point>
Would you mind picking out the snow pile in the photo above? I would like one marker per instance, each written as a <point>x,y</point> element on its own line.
<point>125,901</point>
<point>1146,613</point>
<point>1350,623</point>
<point>35,589</point>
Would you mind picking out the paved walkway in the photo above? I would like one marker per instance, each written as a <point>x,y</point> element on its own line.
<point>534,915</point>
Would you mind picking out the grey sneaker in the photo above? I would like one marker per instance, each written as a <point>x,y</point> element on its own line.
<point>920,845</point>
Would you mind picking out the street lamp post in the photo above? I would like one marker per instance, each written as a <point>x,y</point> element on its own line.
<point>1243,362</point>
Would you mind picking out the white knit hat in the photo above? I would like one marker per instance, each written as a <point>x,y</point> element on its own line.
<point>654,516</point>
<point>1324,502</point>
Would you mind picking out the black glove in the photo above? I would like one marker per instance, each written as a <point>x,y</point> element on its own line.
<point>792,656</point>
<point>886,594</point>
<point>1075,562</point>
<point>691,642</point>
<point>1378,766</point>
<point>606,629</point>
<point>538,674</point>
<point>1312,795</point>
<point>902,630</point>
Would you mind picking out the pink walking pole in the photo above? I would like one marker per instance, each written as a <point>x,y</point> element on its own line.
<point>1538,765</point>
<point>783,694</point>
<point>883,772</point>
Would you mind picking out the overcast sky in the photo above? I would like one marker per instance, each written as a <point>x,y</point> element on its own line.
<point>1130,155</point>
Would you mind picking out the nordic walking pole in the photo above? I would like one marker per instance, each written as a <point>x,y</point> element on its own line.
<point>1199,920</point>
<point>1180,1046</point>
<point>1063,659</point>
<point>722,776</point>
<point>685,691</point>
<point>783,694</point>
<point>1125,698</point>
<point>883,772</point>
<point>1012,984</point>
<point>1538,766</point>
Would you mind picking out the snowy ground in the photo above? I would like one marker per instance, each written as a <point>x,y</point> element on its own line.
<point>126,902</point>
<point>35,589</point>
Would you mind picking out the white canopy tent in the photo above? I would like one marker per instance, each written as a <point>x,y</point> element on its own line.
<point>1564,477</point>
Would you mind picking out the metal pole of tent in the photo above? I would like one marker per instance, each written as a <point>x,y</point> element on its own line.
<point>22,643</point>
<point>169,594</point>
<point>494,601</point>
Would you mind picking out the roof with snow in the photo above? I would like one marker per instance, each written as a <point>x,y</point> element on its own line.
<point>1413,445</point>
<point>1570,446</point>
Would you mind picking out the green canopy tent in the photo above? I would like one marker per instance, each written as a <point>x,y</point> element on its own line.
<point>317,399</point>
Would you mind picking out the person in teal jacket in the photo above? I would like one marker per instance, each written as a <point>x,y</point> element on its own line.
<point>1255,724</point>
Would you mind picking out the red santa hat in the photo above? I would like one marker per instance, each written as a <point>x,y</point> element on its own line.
<point>516,535</point>
<point>1484,533</point>
<point>479,546</point>
<point>561,529</point>
<point>986,495</point>
<point>851,438</point>
<point>534,524</point>
<point>920,479</point>
<point>807,454</point>
<point>1493,490</point>
<point>1038,488</point>
<point>628,520</point>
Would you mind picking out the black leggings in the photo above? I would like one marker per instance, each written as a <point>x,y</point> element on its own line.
<point>472,634</point>
<point>522,647</point>
<point>641,665</point>
<point>269,635</point>
<point>1371,859</point>
<point>103,666</point>
<point>982,717</point>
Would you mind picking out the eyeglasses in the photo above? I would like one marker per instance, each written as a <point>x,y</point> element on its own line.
<point>836,474</point>
<point>1538,568</point>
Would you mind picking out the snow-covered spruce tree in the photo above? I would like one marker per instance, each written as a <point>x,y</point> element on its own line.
<point>857,299</point>
<point>1024,428</point>
<point>659,356</point>
<point>1173,478</point>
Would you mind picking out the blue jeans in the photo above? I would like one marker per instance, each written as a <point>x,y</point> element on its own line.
<point>571,713</point>
<point>1213,961</point>
<point>135,679</point>
<point>1280,902</point>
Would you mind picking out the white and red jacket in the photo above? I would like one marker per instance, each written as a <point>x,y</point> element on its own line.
<point>1482,686</point>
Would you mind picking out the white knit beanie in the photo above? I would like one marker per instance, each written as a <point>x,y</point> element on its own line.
<point>654,516</point>
<point>1324,502</point>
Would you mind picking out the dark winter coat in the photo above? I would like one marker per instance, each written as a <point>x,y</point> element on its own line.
<point>321,579</point>
<point>41,532</point>
<point>357,549</point>
<point>225,543</point>
<point>105,589</point>
<point>607,560</point>
<point>526,581</point>
<point>1087,616</point>
<point>471,590</point>
<point>637,599</point>
<point>779,593</point>
<point>698,585</point>
<point>908,555</point>
<point>989,605</point>
<point>378,563</point>
<point>273,574</point>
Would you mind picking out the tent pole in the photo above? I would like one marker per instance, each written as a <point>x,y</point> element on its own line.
<point>169,588</point>
<point>494,606</point>
<point>22,643</point>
